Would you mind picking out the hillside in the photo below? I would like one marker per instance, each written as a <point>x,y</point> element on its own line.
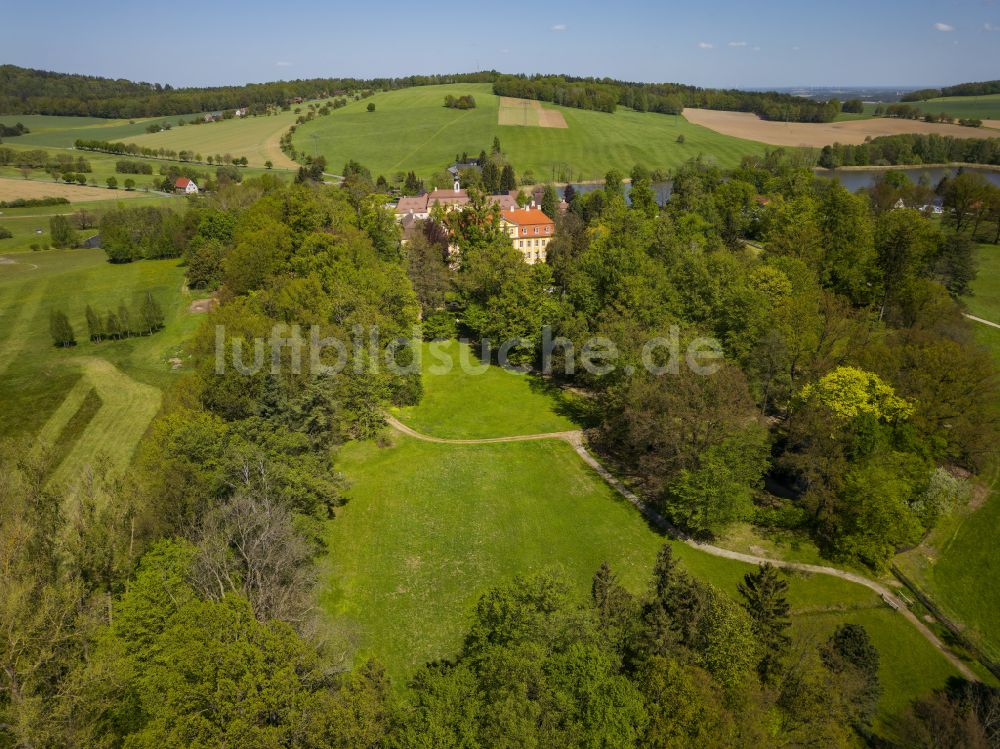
<point>410,129</point>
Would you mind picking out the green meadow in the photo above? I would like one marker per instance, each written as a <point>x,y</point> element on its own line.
<point>93,398</point>
<point>429,527</point>
<point>411,129</point>
<point>517,403</point>
<point>980,107</point>
<point>52,131</point>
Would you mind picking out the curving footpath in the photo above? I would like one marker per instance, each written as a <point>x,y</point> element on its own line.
<point>576,441</point>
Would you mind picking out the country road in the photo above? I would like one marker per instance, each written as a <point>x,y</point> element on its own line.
<point>575,439</point>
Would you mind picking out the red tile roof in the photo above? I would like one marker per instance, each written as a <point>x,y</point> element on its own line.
<point>527,217</point>
<point>182,182</point>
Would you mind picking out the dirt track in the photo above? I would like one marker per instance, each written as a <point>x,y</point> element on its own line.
<point>575,439</point>
<point>816,135</point>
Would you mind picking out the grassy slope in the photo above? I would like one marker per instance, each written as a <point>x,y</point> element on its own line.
<point>103,166</point>
<point>517,404</point>
<point>42,385</point>
<point>253,137</point>
<point>429,527</point>
<point>410,129</point>
<point>981,107</point>
<point>61,132</point>
<point>959,561</point>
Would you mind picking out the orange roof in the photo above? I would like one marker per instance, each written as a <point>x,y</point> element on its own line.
<point>182,182</point>
<point>527,217</point>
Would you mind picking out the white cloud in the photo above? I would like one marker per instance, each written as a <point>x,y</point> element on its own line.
<point>282,64</point>
<point>756,49</point>
<point>505,51</point>
<point>737,44</point>
<point>560,27</point>
<point>943,27</point>
<point>795,49</point>
<point>705,45</point>
<point>990,27</point>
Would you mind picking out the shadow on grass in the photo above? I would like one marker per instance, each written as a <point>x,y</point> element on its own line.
<point>579,409</point>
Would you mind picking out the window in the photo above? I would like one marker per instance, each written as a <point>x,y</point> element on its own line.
<point>521,243</point>
<point>536,230</point>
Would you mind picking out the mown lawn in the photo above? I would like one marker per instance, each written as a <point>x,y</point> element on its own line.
<point>429,527</point>
<point>453,405</point>
<point>54,393</point>
<point>411,129</point>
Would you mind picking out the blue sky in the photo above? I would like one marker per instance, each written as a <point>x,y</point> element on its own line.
<point>719,43</point>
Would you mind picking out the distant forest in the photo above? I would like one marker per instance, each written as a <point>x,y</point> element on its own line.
<point>605,95</point>
<point>982,88</point>
<point>26,91</point>
<point>912,148</point>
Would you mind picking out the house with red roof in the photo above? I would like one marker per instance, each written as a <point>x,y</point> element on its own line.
<point>530,231</point>
<point>185,185</point>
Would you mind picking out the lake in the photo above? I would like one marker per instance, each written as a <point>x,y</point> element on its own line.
<point>852,179</point>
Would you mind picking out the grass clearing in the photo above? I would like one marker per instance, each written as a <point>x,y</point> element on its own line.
<point>411,129</point>
<point>452,406</point>
<point>429,527</point>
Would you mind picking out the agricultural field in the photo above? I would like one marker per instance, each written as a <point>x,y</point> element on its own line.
<point>52,131</point>
<point>12,189</point>
<point>429,527</point>
<point>816,135</point>
<point>94,398</point>
<point>979,107</point>
<point>257,138</point>
<point>410,129</point>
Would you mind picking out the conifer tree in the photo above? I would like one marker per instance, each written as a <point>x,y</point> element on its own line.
<point>764,600</point>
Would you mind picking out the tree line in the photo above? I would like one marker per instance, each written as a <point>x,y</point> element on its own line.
<point>28,91</point>
<point>605,95</point>
<point>982,88</point>
<point>912,148</point>
<point>143,320</point>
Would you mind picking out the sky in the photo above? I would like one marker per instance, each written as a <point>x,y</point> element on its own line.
<point>722,43</point>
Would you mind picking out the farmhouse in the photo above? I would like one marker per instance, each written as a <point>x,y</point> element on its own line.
<point>185,185</point>
<point>530,231</point>
<point>419,206</point>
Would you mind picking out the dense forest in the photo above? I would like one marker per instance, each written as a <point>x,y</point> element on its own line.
<point>175,605</point>
<point>605,94</point>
